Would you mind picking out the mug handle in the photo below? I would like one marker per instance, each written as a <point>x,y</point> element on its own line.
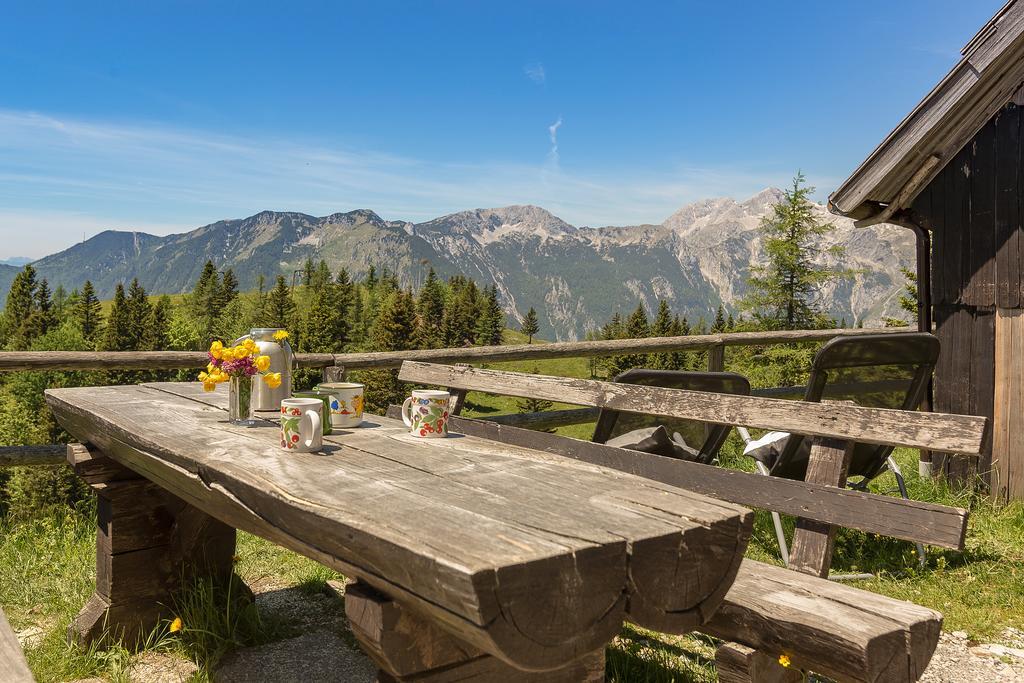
<point>310,424</point>
<point>406,412</point>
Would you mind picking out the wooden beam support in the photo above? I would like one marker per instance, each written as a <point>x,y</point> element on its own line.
<point>149,545</point>
<point>963,434</point>
<point>827,464</point>
<point>409,647</point>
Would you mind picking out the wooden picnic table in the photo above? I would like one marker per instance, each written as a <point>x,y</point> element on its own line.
<point>469,553</point>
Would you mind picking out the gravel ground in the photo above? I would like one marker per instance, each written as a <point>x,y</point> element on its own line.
<point>957,659</point>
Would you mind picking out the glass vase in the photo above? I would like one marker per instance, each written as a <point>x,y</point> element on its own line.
<point>240,405</point>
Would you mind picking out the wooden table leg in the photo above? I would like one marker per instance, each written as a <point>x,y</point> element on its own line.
<point>828,464</point>
<point>148,545</point>
<point>408,647</point>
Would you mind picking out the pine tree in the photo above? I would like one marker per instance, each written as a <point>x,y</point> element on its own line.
<point>637,327</point>
<point>321,276</point>
<point>307,272</point>
<point>60,303</point>
<point>320,332</point>
<point>42,319</point>
<point>280,309</point>
<point>907,300</point>
<point>88,312</point>
<point>20,304</point>
<point>491,319</point>
<point>430,307</point>
<point>345,296</point>
<point>613,329</point>
<point>205,302</point>
<point>139,312</point>
<point>228,289</point>
<point>662,327</point>
<point>784,293</point>
<point>677,359</point>
<point>460,314</point>
<point>158,327</point>
<point>530,325</point>
<point>393,330</point>
<point>118,334</point>
<point>720,323</point>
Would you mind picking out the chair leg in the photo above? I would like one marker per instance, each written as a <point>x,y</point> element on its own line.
<point>776,520</point>
<point>891,462</point>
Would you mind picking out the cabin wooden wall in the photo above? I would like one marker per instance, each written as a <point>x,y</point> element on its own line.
<point>973,210</point>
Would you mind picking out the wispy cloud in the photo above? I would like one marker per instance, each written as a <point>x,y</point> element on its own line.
<point>60,177</point>
<point>553,157</point>
<point>536,73</point>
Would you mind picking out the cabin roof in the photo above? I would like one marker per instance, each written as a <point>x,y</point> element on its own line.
<point>989,72</point>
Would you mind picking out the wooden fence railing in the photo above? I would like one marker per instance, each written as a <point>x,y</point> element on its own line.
<point>337,365</point>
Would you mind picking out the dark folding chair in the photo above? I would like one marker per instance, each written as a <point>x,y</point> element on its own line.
<point>881,371</point>
<point>707,438</point>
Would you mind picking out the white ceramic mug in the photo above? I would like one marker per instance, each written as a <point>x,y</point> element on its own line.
<point>302,424</point>
<point>346,403</point>
<point>425,413</point>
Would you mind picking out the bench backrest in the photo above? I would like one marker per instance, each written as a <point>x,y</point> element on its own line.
<point>962,434</point>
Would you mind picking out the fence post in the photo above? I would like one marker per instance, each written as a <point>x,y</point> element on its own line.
<point>716,358</point>
<point>334,373</point>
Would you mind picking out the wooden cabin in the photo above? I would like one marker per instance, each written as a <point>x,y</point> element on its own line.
<point>951,171</point>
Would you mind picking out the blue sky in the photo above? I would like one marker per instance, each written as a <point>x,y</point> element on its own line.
<point>163,116</point>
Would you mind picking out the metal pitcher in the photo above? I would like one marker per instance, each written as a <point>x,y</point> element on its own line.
<point>281,360</point>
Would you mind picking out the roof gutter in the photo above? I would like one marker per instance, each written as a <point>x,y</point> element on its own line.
<point>906,194</point>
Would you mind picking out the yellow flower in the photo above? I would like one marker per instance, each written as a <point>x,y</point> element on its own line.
<point>176,625</point>
<point>273,379</point>
<point>217,349</point>
<point>210,367</point>
<point>280,335</point>
<point>784,661</point>
<point>262,363</point>
<point>251,345</point>
<point>203,376</point>
<point>209,386</point>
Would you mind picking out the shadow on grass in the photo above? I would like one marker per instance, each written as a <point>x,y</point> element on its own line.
<point>636,656</point>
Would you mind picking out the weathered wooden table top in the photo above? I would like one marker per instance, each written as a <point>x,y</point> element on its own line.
<point>533,557</point>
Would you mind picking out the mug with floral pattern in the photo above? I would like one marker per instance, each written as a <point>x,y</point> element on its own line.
<point>426,413</point>
<point>301,420</point>
<point>346,403</point>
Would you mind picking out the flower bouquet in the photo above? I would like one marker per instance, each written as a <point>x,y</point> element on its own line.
<point>238,365</point>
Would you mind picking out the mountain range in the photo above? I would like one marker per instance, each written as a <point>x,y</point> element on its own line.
<point>575,277</point>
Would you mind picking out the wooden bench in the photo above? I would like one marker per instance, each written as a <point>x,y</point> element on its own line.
<point>836,630</point>
<point>476,560</point>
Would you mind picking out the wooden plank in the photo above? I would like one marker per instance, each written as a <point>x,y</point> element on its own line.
<point>1008,420</point>
<point>529,557</point>
<point>981,235</point>
<point>909,520</point>
<point>737,663</point>
<point>953,433</point>
<point>827,464</point>
<point>982,393</point>
<point>549,419</point>
<point>13,667</point>
<point>826,627</point>
<point>19,456</point>
<point>1007,225</point>
<point>172,360</point>
<point>127,360</point>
